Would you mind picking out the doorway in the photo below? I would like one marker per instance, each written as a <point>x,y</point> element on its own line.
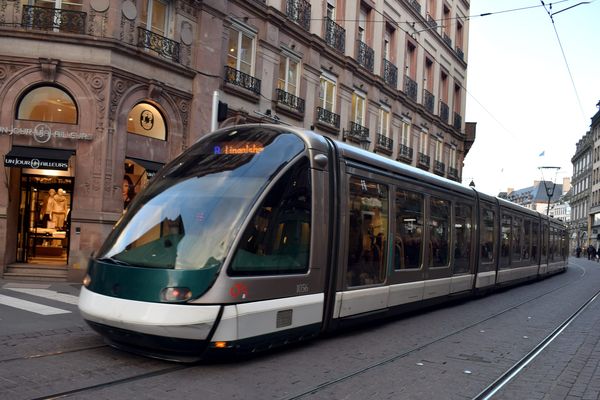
<point>44,219</point>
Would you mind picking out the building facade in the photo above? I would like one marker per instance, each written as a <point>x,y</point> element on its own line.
<point>99,94</point>
<point>581,190</point>
<point>594,212</point>
<point>543,196</point>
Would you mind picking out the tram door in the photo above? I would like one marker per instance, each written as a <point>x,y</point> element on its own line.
<point>44,214</point>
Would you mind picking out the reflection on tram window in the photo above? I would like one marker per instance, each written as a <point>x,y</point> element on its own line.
<point>526,240</point>
<point>463,228</point>
<point>535,232</point>
<point>505,241</point>
<point>488,233</point>
<point>367,241</point>
<point>277,240</point>
<point>516,242</point>
<point>408,241</point>
<point>439,232</point>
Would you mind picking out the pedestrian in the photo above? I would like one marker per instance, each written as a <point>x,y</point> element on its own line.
<point>589,251</point>
<point>578,251</point>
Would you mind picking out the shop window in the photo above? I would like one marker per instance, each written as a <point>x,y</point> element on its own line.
<point>145,119</point>
<point>48,104</point>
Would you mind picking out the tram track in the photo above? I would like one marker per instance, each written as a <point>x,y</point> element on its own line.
<point>325,385</point>
<point>52,353</point>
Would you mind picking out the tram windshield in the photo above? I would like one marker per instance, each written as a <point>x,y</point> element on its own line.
<point>189,215</point>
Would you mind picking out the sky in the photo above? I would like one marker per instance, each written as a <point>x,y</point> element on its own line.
<point>530,111</point>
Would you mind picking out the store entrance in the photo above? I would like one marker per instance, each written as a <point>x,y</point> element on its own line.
<point>43,229</point>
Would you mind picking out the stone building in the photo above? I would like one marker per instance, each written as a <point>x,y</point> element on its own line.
<point>98,94</point>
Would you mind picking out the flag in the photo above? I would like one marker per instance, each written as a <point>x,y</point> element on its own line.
<point>542,153</point>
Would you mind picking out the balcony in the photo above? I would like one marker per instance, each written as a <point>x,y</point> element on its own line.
<point>444,112</point>
<point>299,12</point>
<point>452,173</point>
<point>447,40</point>
<point>439,168</point>
<point>165,47</point>
<point>53,19</point>
<point>335,35</point>
<point>357,133</point>
<point>460,53</point>
<point>365,55</point>
<point>423,161</point>
<point>410,88</point>
<point>327,117</point>
<point>431,22</point>
<point>390,73</point>
<point>290,101</point>
<point>416,5</point>
<point>238,78</point>
<point>405,154</point>
<point>385,143</point>
<point>428,100</point>
<point>457,121</point>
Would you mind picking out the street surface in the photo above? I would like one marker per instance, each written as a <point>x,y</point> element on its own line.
<point>452,352</point>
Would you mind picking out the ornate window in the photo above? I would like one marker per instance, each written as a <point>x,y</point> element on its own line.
<point>48,104</point>
<point>154,16</point>
<point>146,120</point>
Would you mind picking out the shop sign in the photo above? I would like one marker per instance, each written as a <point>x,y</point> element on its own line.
<point>42,133</point>
<point>35,163</point>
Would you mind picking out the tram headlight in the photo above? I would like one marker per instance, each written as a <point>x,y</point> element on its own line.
<point>175,294</point>
<point>87,280</point>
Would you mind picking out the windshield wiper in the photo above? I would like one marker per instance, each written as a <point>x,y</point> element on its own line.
<point>111,260</point>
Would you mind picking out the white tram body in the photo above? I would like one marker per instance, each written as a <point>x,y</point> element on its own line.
<point>262,235</point>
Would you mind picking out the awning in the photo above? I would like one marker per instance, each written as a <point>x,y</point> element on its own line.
<point>38,158</point>
<point>151,167</point>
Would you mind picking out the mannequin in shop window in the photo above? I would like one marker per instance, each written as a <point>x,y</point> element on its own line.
<point>128,191</point>
<point>48,208</point>
<point>59,211</point>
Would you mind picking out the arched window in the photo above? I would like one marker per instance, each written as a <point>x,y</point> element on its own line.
<point>48,104</point>
<point>145,119</point>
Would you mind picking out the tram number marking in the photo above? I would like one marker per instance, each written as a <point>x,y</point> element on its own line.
<point>239,290</point>
<point>302,288</point>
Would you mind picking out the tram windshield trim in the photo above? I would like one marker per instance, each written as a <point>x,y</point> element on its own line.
<point>190,214</point>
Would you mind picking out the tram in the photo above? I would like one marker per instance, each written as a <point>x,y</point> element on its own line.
<point>262,235</point>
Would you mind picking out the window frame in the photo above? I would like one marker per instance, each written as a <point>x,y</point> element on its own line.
<point>241,31</point>
<point>32,89</point>
<point>326,81</point>
<point>284,83</point>
<point>358,108</point>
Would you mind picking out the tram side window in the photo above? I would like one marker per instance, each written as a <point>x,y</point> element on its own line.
<point>517,238</point>
<point>544,242</point>
<point>368,229</point>
<point>487,236</point>
<point>277,240</point>
<point>439,232</point>
<point>505,241</point>
<point>535,237</point>
<point>552,245</point>
<point>463,215</point>
<point>408,241</point>
<point>525,254</point>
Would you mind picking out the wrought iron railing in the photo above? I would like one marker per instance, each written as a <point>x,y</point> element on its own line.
<point>431,21</point>
<point>416,5</point>
<point>410,87</point>
<point>365,55</point>
<point>428,100</point>
<point>457,121</point>
<point>453,172</point>
<point>424,160</point>
<point>163,46</point>
<point>385,142</point>
<point>299,12</point>
<point>405,153</point>
<point>328,117</point>
<point>447,39</point>
<point>290,100</point>
<point>241,79</point>
<point>390,73</point>
<point>335,35</point>
<point>357,132</point>
<point>439,167</point>
<point>460,53</point>
<point>444,112</point>
<point>53,19</point>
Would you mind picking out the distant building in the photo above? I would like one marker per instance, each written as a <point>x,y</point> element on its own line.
<point>594,213</point>
<point>536,197</point>
<point>581,192</point>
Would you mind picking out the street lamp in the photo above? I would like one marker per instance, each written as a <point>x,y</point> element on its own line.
<point>549,189</point>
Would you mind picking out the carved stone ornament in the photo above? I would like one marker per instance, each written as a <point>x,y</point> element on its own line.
<point>100,5</point>
<point>48,67</point>
<point>129,10</point>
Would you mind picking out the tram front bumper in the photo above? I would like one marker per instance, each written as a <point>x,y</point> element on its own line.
<point>177,321</point>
